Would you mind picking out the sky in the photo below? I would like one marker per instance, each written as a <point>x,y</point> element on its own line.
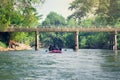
<point>58,6</point>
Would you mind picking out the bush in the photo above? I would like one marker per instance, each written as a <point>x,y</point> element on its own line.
<point>2,44</point>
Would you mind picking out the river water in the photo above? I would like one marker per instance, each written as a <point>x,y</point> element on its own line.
<point>86,64</point>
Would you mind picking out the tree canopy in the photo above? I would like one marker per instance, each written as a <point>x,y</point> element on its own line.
<point>19,12</point>
<point>107,10</point>
<point>53,19</point>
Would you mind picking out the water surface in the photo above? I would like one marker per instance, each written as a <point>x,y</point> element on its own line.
<point>86,64</point>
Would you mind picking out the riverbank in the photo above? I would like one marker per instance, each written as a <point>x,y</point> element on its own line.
<point>20,47</point>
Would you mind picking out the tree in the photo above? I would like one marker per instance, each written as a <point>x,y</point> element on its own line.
<point>54,19</point>
<point>71,22</point>
<point>108,10</point>
<point>82,7</point>
<point>86,23</point>
<point>19,13</point>
<point>114,12</point>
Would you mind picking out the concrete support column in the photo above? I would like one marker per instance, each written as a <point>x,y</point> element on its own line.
<point>111,38</point>
<point>76,45</point>
<point>36,40</point>
<point>115,41</point>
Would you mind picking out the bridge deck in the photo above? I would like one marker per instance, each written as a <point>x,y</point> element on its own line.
<point>58,29</point>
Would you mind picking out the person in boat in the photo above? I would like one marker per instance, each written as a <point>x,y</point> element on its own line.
<point>54,48</point>
<point>50,48</point>
<point>60,48</point>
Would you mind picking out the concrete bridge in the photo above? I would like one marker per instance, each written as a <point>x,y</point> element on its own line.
<point>65,29</point>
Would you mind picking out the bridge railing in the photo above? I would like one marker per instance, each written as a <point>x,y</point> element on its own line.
<point>60,29</point>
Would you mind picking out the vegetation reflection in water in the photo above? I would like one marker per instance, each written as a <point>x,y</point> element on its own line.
<point>40,65</point>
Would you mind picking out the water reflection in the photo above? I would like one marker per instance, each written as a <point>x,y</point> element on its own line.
<point>111,66</point>
<point>116,56</point>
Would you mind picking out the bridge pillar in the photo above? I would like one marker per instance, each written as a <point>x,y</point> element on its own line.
<point>36,40</point>
<point>115,41</point>
<point>111,38</point>
<point>76,45</point>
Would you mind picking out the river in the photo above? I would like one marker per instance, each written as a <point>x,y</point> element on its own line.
<point>86,64</point>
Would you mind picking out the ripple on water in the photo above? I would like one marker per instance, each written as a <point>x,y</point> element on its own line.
<point>40,65</point>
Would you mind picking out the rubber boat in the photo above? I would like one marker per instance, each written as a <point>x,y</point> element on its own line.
<point>55,51</point>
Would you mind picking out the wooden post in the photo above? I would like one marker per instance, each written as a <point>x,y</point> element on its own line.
<point>115,41</point>
<point>36,40</point>
<point>76,45</point>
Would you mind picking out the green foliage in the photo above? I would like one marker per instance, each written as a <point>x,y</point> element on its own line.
<point>71,22</point>
<point>82,7</point>
<point>19,13</point>
<point>86,23</point>
<point>53,19</point>
<point>118,40</point>
<point>51,38</point>
<point>69,40</point>
<point>19,36</point>
<point>46,22</point>
<point>2,44</point>
<point>5,8</point>
<point>95,40</point>
<point>103,8</point>
<point>45,38</point>
<point>22,37</point>
<point>114,12</point>
<point>100,21</point>
<point>61,39</point>
<point>117,24</point>
<point>25,14</point>
<point>22,13</point>
<point>83,42</point>
<point>107,11</point>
